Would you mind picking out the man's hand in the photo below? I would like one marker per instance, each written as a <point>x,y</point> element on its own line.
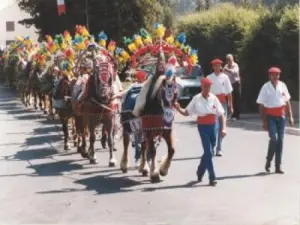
<point>223,133</point>
<point>265,125</point>
<point>291,121</point>
<point>177,105</point>
<point>230,110</point>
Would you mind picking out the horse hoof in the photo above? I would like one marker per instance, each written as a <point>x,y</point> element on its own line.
<point>115,150</point>
<point>93,161</point>
<point>84,155</point>
<point>124,170</point>
<point>145,173</point>
<point>163,173</point>
<point>66,147</point>
<point>112,163</point>
<point>155,178</point>
<point>45,112</point>
<point>75,144</point>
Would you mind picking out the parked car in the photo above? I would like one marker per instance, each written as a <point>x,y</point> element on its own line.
<point>188,84</point>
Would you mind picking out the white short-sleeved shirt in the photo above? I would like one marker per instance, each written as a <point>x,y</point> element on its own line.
<point>271,97</point>
<point>199,106</point>
<point>220,84</point>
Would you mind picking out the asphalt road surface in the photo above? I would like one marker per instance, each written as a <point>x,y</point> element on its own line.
<point>40,183</point>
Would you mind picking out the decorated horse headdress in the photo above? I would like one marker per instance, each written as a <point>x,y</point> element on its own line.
<point>162,45</point>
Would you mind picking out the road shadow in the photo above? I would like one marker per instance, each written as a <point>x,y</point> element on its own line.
<point>34,116</point>
<point>260,174</point>
<point>101,185</point>
<point>187,158</point>
<point>55,168</point>
<point>33,154</point>
<point>45,130</point>
<point>39,140</point>
<point>191,184</point>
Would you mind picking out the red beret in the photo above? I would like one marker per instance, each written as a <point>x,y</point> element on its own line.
<point>274,70</point>
<point>206,81</point>
<point>216,62</point>
<point>141,75</point>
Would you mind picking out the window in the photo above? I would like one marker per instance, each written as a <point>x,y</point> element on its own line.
<point>8,42</point>
<point>10,26</point>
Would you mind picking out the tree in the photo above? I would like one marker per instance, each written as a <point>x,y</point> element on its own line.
<point>116,18</point>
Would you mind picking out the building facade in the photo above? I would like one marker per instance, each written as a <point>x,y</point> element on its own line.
<point>10,15</point>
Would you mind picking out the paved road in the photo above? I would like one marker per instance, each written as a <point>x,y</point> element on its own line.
<point>43,184</point>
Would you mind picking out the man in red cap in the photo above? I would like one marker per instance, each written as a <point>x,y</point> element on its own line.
<point>222,88</point>
<point>274,102</point>
<point>207,107</point>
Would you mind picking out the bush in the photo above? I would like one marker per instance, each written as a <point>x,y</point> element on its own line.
<point>218,31</point>
<point>260,51</point>
<point>258,38</point>
<point>289,48</point>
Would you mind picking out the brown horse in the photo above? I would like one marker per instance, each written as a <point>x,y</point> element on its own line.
<point>154,106</point>
<point>62,103</point>
<point>96,107</point>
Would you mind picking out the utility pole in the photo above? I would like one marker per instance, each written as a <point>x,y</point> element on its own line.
<point>87,15</point>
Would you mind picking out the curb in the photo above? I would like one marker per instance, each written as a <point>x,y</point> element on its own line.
<point>241,123</point>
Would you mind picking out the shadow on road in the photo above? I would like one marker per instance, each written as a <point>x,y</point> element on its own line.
<point>55,168</point>
<point>39,140</point>
<point>102,184</point>
<point>45,130</point>
<point>191,184</point>
<point>261,174</point>
<point>32,154</point>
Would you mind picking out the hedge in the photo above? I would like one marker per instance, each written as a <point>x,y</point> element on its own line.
<point>258,38</point>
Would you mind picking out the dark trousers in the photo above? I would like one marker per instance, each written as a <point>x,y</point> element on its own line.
<point>208,139</point>
<point>276,126</point>
<point>236,99</point>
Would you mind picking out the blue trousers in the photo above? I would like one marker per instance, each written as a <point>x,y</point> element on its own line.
<point>218,128</point>
<point>208,139</point>
<point>276,126</point>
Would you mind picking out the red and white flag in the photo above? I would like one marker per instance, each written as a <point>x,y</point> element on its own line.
<point>61,7</point>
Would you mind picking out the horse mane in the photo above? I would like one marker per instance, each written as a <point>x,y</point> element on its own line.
<point>148,92</point>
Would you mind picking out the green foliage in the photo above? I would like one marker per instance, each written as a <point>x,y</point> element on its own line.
<point>258,38</point>
<point>289,48</point>
<point>218,31</point>
<point>116,18</point>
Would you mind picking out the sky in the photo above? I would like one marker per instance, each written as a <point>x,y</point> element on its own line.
<point>4,3</point>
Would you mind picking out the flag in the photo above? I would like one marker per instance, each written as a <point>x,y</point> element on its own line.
<point>61,7</point>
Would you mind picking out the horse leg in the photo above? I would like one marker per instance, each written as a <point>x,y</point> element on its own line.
<point>64,120</point>
<point>35,100</point>
<point>154,174</point>
<point>124,160</point>
<point>92,127</point>
<point>41,99</point>
<point>74,132</point>
<point>166,162</point>
<point>103,139</point>
<point>44,99</point>
<point>110,141</point>
<point>51,113</point>
<point>144,167</point>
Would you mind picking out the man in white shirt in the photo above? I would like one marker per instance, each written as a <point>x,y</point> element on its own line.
<point>274,102</point>
<point>206,107</point>
<point>221,87</point>
<point>231,69</point>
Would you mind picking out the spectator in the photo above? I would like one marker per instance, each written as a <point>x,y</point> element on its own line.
<point>232,70</point>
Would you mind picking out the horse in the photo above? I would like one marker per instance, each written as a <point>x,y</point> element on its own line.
<point>62,103</point>
<point>154,107</point>
<point>96,106</point>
